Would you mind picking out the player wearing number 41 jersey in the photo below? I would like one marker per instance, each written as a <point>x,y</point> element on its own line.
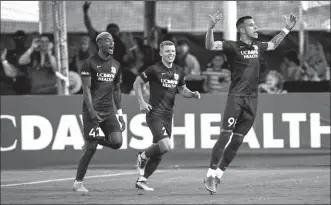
<point>101,83</point>
<point>165,80</point>
<point>243,56</point>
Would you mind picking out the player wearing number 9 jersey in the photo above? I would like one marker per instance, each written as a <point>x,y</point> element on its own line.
<point>243,56</point>
<point>101,84</point>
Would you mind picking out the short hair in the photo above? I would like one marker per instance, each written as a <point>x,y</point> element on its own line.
<point>102,35</point>
<point>182,42</point>
<point>166,43</point>
<point>241,20</point>
<point>112,25</point>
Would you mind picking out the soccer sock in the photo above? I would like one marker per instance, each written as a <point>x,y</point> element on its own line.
<point>231,151</point>
<point>218,149</point>
<point>153,150</point>
<point>151,165</point>
<point>211,172</point>
<point>219,173</point>
<point>84,161</point>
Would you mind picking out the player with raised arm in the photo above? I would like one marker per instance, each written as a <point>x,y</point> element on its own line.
<point>165,80</point>
<point>239,115</point>
<point>101,84</point>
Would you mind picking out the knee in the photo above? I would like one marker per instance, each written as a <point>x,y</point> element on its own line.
<point>164,145</point>
<point>116,140</point>
<point>237,140</point>
<point>117,145</point>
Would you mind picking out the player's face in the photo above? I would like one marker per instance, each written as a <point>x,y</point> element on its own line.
<point>107,46</point>
<point>168,53</point>
<point>251,28</point>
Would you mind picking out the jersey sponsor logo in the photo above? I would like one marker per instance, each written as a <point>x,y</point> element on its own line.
<point>84,73</point>
<point>98,66</point>
<point>107,77</point>
<point>169,83</point>
<point>250,54</point>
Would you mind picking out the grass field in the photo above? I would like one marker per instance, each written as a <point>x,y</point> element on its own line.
<point>172,186</point>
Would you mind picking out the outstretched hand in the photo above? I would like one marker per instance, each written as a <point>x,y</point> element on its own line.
<point>290,21</point>
<point>213,19</point>
<point>86,6</point>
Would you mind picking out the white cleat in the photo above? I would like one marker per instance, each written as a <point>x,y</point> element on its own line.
<point>79,187</point>
<point>141,183</point>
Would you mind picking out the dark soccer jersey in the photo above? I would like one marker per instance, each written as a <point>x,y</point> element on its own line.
<point>104,74</point>
<point>163,84</point>
<point>245,66</point>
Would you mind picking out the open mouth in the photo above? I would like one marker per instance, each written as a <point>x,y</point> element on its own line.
<point>171,57</point>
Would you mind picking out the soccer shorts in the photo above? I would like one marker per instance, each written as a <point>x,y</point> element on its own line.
<point>239,114</point>
<point>159,126</point>
<point>108,125</point>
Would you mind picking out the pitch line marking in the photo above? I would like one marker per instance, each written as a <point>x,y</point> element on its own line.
<point>67,179</point>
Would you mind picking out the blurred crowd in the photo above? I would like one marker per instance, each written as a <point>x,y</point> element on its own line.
<point>33,69</point>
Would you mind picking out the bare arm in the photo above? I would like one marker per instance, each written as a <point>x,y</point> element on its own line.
<point>185,92</point>
<point>117,95</point>
<point>210,44</point>
<point>26,57</point>
<point>91,31</point>
<point>137,89</point>
<point>275,41</point>
<point>9,69</point>
<point>86,81</point>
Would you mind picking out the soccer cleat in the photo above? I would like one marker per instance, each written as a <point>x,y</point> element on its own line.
<point>210,184</point>
<point>142,184</point>
<point>79,187</point>
<point>141,163</point>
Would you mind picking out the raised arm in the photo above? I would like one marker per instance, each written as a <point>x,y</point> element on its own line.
<point>26,57</point>
<point>87,21</point>
<point>275,41</point>
<point>210,44</point>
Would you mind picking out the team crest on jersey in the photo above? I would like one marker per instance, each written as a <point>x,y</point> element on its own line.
<point>255,47</point>
<point>176,76</point>
<point>113,70</point>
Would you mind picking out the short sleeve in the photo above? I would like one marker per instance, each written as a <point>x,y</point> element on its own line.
<point>147,74</point>
<point>117,78</point>
<point>181,81</point>
<point>227,47</point>
<point>86,69</point>
<point>262,46</point>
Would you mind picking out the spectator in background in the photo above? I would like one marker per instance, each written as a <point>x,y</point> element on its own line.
<point>274,83</point>
<point>113,29</point>
<point>290,67</point>
<point>218,74</point>
<point>83,52</point>
<point>14,79</point>
<point>315,61</point>
<point>187,61</point>
<point>42,67</point>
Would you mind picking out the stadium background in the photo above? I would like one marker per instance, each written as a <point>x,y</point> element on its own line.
<point>291,132</point>
<point>129,15</point>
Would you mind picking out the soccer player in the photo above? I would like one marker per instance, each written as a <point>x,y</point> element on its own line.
<point>165,80</point>
<point>101,83</point>
<point>243,56</point>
